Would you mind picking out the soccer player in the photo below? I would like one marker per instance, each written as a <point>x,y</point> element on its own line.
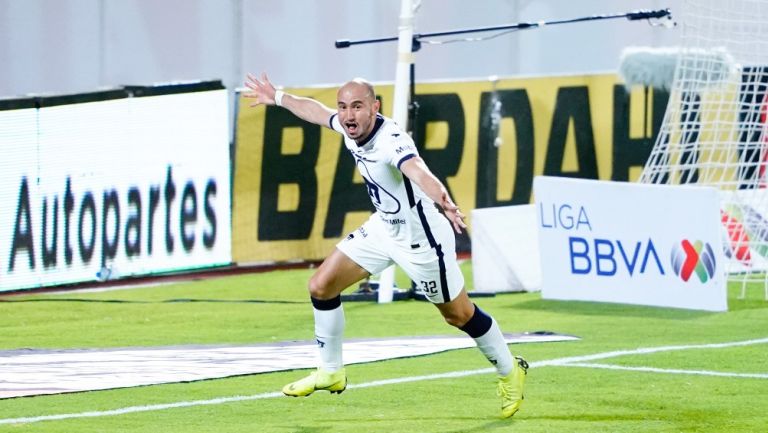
<point>406,229</point>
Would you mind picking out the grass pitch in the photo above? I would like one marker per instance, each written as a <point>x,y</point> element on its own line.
<point>664,397</point>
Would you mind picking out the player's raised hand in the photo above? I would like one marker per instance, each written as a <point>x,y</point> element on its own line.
<point>453,213</point>
<point>261,90</point>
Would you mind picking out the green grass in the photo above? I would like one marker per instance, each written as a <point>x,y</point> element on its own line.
<point>568,399</point>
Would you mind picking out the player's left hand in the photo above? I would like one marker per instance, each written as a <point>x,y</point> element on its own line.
<point>454,214</point>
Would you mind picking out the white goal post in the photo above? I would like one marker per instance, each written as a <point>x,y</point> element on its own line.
<point>405,58</point>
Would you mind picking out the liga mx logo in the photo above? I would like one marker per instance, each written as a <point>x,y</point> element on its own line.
<point>689,258</point>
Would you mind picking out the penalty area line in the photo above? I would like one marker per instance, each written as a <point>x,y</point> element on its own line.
<point>146,408</point>
<point>233,399</point>
<point>574,361</point>
<point>668,370</point>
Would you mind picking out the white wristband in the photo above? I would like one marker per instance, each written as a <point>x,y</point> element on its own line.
<point>279,98</point>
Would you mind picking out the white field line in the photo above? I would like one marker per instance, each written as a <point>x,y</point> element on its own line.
<point>668,370</point>
<point>648,350</point>
<point>576,361</point>
<point>109,288</point>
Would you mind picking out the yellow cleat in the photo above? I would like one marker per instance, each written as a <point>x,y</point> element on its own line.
<point>510,388</point>
<point>319,380</point>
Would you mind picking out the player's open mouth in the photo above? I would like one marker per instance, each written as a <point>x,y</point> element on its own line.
<point>351,127</point>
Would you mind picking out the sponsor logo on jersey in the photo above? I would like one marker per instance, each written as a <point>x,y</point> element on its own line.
<point>402,149</point>
<point>393,221</point>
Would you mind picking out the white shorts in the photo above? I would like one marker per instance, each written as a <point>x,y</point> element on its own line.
<point>433,268</point>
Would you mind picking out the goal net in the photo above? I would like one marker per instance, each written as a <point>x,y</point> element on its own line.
<point>714,130</point>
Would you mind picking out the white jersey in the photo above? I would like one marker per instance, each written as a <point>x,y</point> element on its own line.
<point>404,208</point>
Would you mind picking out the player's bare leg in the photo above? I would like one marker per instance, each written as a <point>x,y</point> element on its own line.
<point>468,317</point>
<point>334,275</point>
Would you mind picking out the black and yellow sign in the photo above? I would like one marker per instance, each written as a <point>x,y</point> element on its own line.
<point>296,191</point>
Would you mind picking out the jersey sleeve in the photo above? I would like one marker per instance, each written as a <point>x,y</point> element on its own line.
<point>401,149</point>
<point>333,123</point>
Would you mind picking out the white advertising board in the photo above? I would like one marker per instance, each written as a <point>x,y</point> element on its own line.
<point>136,185</point>
<point>630,243</point>
<point>505,249</point>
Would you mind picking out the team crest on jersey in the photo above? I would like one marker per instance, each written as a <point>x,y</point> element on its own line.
<point>382,199</point>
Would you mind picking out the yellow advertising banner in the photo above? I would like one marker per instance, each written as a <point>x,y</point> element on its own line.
<point>296,190</point>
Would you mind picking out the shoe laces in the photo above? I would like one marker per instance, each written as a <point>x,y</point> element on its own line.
<point>504,389</point>
<point>522,363</point>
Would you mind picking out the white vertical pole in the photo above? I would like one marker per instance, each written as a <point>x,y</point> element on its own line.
<point>102,44</point>
<point>400,110</point>
<point>405,58</point>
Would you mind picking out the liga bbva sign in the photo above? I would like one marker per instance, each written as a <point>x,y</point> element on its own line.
<point>297,192</point>
<point>139,185</point>
<point>631,243</point>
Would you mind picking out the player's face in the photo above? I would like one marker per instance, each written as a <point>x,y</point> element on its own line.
<point>357,110</point>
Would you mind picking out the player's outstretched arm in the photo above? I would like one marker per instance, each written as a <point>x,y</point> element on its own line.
<point>264,92</point>
<point>418,172</point>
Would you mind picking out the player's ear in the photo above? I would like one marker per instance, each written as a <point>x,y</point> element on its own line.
<point>376,105</point>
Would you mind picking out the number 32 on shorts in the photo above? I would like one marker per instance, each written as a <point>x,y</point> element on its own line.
<point>429,287</point>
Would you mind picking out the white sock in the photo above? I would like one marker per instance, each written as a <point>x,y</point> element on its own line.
<point>494,348</point>
<point>329,332</point>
